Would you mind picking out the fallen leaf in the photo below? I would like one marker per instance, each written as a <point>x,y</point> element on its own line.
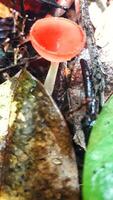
<point>39,160</point>
<point>4,11</point>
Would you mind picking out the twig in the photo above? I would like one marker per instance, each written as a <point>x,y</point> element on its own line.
<point>22,7</point>
<point>91,103</point>
<point>11,66</point>
<point>97,66</point>
<point>20,64</point>
<point>89,88</point>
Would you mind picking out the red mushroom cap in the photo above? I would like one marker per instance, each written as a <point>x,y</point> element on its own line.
<point>57,39</point>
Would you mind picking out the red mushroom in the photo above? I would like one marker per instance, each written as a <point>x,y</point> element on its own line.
<point>56,39</point>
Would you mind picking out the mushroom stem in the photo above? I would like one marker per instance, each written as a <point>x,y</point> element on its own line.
<point>51,77</point>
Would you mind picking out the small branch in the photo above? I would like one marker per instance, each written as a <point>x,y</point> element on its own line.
<point>22,7</point>
<point>11,66</point>
<point>97,66</point>
<point>91,103</point>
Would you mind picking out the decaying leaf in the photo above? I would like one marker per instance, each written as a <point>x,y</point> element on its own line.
<point>79,139</point>
<point>4,11</point>
<point>8,3</point>
<point>39,162</point>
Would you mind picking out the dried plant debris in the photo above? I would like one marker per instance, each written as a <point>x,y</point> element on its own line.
<point>38,162</point>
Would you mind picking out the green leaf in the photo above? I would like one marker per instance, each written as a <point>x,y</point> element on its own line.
<point>98,168</point>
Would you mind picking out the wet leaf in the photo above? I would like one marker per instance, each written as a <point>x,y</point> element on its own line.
<point>39,161</point>
<point>98,168</point>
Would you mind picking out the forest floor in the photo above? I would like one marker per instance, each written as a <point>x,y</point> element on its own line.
<point>69,92</point>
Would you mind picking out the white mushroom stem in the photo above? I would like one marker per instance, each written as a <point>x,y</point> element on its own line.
<point>51,77</point>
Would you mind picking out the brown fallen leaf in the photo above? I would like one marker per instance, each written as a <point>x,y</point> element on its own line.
<point>4,11</point>
<point>39,161</point>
